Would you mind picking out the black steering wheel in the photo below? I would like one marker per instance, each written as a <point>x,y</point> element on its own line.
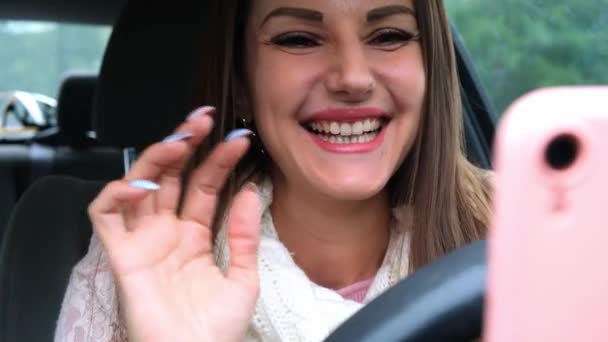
<point>440,302</point>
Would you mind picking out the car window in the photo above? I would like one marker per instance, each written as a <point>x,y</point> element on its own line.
<point>520,45</point>
<point>35,56</point>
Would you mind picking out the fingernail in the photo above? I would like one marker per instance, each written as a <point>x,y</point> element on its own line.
<point>237,133</point>
<point>144,185</point>
<point>206,110</point>
<point>178,137</point>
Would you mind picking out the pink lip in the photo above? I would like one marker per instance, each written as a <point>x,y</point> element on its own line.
<point>347,114</point>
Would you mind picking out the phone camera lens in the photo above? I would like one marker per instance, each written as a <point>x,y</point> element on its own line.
<point>562,152</point>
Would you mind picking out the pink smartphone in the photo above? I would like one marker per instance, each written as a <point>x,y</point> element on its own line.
<point>548,244</point>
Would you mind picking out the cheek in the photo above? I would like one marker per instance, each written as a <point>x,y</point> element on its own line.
<point>280,85</point>
<point>280,82</point>
<point>405,78</point>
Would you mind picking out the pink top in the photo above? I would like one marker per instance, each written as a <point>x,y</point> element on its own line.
<point>356,291</point>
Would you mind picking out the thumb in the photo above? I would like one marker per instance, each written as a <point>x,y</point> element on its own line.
<point>244,235</point>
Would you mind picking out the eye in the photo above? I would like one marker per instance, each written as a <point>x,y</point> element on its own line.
<point>392,38</point>
<point>297,40</point>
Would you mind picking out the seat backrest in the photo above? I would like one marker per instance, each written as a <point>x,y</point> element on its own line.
<point>151,71</point>
<point>65,150</point>
<point>74,109</point>
<point>48,233</point>
<point>14,178</point>
<point>75,152</point>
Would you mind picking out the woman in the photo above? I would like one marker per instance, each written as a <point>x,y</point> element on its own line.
<point>356,177</point>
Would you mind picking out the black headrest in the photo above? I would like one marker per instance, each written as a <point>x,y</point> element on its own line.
<point>74,107</point>
<point>149,71</point>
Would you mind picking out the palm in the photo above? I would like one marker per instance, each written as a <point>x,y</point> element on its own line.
<point>152,244</point>
<point>169,285</point>
<point>154,261</point>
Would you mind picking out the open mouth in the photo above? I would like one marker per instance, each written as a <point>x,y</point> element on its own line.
<point>339,132</point>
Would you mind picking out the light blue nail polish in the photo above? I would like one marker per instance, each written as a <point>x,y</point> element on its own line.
<point>237,133</point>
<point>144,185</point>
<point>178,137</point>
<point>206,110</point>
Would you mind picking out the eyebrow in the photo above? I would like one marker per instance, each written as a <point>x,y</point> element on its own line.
<point>374,15</point>
<point>300,13</point>
<point>387,11</point>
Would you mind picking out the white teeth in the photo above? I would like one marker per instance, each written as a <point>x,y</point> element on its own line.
<point>358,132</point>
<point>334,128</point>
<point>325,126</point>
<point>375,125</point>
<point>346,129</point>
<point>358,128</point>
<point>354,139</point>
<point>367,126</point>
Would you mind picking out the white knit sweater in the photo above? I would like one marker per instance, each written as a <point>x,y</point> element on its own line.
<point>290,306</point>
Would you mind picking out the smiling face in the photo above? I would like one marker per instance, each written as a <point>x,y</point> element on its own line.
<point>337,89</point>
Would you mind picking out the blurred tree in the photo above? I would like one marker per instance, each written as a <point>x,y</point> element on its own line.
<point>520,45</point>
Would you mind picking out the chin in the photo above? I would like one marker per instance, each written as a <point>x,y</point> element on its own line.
<point>353,189</point>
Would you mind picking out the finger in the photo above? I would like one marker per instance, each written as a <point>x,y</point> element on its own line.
<point>244,235</point>
<point>169,156</point>
<point>209,178</point>
<point>162,158</point>
<point>200,125</point>
<point>156,158</point>
<point>106,210</point>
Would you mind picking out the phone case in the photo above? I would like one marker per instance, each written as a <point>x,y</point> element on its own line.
<point>548,243</point>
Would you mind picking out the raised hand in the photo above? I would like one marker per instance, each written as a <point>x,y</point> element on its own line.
<point>170,288</point>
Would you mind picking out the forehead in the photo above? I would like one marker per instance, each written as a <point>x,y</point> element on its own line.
<point>327,7</point>
<point>343,5</point>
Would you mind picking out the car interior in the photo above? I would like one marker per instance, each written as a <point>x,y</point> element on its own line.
<point>144,89</point>
<point>63,150</point>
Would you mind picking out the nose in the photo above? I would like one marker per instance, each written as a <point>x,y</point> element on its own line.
<point>350,78</point>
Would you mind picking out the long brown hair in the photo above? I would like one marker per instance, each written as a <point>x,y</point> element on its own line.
<point>449,196</point>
